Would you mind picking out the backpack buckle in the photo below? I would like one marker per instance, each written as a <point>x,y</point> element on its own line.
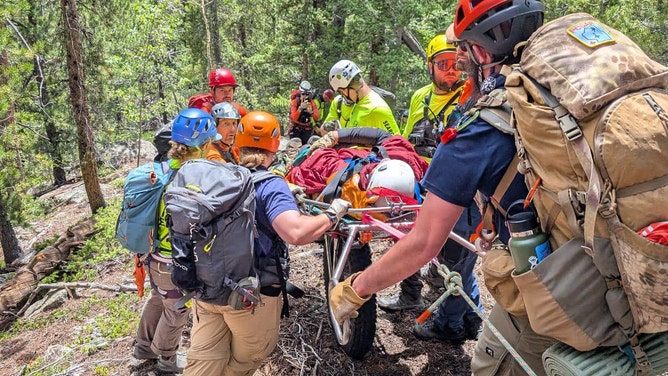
<point>569,126</point>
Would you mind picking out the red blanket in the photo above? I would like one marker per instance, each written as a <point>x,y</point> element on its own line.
<point>313,173</point>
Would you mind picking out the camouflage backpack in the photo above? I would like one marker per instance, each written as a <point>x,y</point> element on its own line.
<point>590,112</point>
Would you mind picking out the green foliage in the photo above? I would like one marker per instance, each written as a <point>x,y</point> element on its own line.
<point>114,317</point>
<point>143,59</point>
<point>41,245</point>
<point>119,318</point>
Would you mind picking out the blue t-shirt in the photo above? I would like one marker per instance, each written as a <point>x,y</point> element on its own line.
<point>272,197</point>
<point>476,159</point>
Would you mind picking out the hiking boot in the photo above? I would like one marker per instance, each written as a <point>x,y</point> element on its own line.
<point>472,327</point>
<point>141,353</point>
<point>429,331</point>
<point>399,302</point>
<point>169,366</point>
<point>433,278</point>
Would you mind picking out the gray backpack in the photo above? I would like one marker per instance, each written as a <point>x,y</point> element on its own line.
<point>211,216</point>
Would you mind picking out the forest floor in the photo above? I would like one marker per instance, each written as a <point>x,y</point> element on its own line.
<point>307,344</point>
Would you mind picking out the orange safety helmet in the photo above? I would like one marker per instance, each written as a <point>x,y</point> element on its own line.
<point>222,77</point>
<point>497,25</point>
<point>259,129</point>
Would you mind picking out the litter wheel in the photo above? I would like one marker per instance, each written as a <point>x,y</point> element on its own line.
<point>355,336</point>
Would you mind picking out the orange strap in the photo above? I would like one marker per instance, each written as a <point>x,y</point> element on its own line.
<point>140,275</point>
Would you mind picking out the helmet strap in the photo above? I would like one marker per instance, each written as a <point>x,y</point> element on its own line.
<point>494,64</point>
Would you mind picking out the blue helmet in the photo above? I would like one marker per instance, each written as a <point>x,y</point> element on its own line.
<point>194,127</point>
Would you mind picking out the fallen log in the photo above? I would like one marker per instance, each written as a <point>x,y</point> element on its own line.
<point>15,291</point>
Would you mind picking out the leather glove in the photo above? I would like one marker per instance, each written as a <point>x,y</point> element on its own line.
<point>326,141</point>
<point>296,190</point>
<point>304,105</point>
<point>338,208</point>
<point>344,301</point>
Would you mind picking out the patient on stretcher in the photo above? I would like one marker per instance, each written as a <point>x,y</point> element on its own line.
<point>365,166</point>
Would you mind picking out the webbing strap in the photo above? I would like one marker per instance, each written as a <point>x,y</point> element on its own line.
<point>564,200</point>
<point>642,187</point>
<point>328,193</point>
<point>504,184</point>
<point>573,134</point>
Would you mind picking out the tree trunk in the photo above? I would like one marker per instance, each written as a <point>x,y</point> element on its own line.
<point>215,35</point>
<point>10,244</point>
<point>75,70</point>
<point>52,133</point>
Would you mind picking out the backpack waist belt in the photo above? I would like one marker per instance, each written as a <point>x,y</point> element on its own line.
<point>159,258</point>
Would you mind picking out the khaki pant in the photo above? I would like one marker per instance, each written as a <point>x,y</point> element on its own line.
<point>232,342</point>
<point>492,358</point>
<point>160,326</point>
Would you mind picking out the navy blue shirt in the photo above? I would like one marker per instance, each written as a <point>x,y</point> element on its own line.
<point>476,159</point>
<point>272,197</point>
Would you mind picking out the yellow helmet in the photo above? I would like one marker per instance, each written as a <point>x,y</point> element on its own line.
<point>439,44</point>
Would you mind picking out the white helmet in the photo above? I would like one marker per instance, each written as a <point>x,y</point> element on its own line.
<point>342,73</point>
<point>305,87</point>
<point>393,174</point>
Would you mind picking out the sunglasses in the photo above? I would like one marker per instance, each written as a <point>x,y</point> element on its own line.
<point>464,44</point>
<point>445,64</point>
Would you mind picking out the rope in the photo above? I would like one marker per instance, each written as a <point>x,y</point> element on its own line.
<point>453,286</point>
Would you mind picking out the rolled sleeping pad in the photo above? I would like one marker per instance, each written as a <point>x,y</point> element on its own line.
<point>563,360</point>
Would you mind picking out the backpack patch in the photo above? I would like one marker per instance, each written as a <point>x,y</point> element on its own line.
<point>211,215</point>
<point>137,225</point>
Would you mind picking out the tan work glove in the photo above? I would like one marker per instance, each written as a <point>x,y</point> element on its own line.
<point>344,301</point>
<point>338,208</point>
<point>326,141</point>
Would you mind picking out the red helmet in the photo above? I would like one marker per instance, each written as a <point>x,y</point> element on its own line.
<point>328,94</point>
<point>498,25</point>
<point>222,77</point>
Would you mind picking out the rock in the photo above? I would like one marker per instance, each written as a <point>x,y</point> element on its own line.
<point>126,152</point>
<point>53,299</point>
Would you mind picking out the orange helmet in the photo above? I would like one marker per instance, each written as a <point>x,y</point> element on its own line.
<point>259,129</point>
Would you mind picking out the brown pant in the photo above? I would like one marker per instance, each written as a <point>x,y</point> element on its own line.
<point>160,326</point>
<point>492,358</point>
<point>232,342</point>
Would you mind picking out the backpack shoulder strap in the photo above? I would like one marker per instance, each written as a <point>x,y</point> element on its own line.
<point>339,103</point>
<point>573,134</point>
<point>495,110</point>
<point>262,175</point>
